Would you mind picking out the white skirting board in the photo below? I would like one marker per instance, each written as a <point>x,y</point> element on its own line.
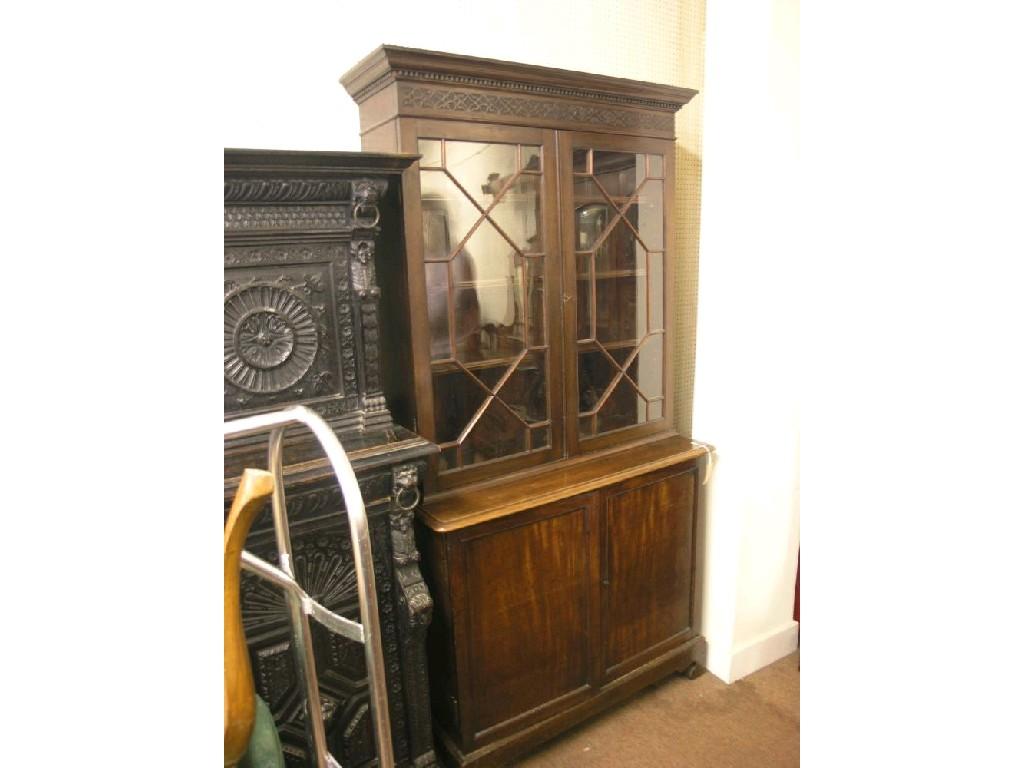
<point>763,650</point>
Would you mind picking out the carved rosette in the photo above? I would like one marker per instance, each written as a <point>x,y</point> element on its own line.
<point>270,338</point>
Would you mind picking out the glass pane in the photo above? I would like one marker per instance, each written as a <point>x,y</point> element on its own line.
<point>431,151</point>
<point>586,191</point>
<point>620,286</point>
<point>579,160</point>
<point>437,309</point>
<point>621,355</point>
<point>586,426</point>
<point>646,369</point>
<point>657,167</point>
<point>447,215</point>
<point>583,280</point>
<point>619,249</point>
<point>656,281</point>
<point>518,214</point>
<point>525,392</point>
<point>488,277</point>
<point>456,398</point>
<point>617,171</point>
<point>498,433</point>
<point>655,410</point>
<point>621,300</point>
<point>535,301</point>
<point>651,224</point>
<point>624,408</point>
<point>595,373</point>
<point>540,437</point>
<point>591,221</point>
<point>531,158</point>
<point>482,169</point>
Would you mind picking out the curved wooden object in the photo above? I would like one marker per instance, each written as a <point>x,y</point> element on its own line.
<point>239,707</point>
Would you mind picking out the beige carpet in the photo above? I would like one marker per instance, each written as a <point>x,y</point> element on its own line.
<point>702,723</point>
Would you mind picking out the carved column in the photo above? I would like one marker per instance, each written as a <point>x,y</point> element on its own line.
<point>415,610</point>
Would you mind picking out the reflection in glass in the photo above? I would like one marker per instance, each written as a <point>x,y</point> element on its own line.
<point>656,281</point>
<point>431,151</point>
<point>525,391</point>
<point>651,219</point>
<point>518,214</point>
<point>620,290</point>
<point>498,433</point>
<point>617,171</point>
<point>594,373</point>
<point>447,214</point>
<point>591,220</point>
<point>624,408</point>
<point>579,160</point>
<point>646,368</point>
<point>583,283</point>
<point>482,169</point>
<point>437,310</point>
<point>488,298</point>
<point>477,224</point>
<point>456,398</point>
<point>535,302</point>
<point>531,158</point>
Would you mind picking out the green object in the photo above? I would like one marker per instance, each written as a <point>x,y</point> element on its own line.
<point>264,749</point>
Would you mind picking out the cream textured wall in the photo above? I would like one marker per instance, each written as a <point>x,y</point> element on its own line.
<point>292,100</point>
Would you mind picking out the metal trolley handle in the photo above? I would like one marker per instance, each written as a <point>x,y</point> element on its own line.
<point>300,605</point>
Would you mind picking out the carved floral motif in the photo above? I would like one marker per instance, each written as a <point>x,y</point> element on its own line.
<point>270,338</point>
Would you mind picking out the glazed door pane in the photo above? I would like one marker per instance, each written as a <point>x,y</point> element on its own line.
<point>619,242</point>
<point>484,259</point>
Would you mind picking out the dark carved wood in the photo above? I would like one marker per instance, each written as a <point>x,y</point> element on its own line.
<point>301,235</point>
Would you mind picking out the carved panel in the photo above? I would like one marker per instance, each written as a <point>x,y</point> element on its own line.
<point>286,190</point>
<point>476,81</point>
<point>449,100</point>
<point>270,338</point>
<point>278,328</point>
<point>284,217</point>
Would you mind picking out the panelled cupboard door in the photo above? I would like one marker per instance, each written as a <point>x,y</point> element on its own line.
<point>617,274</point>
<point>527,611</point>
<point>648,532</point>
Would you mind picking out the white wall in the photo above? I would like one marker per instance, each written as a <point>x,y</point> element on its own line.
<point>745,392</point>
<point>287,96</point>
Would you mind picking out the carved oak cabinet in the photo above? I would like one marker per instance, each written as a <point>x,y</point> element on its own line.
<point>561,532</point>
<point>302,324</point>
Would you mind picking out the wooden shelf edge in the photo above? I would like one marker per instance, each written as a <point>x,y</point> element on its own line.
<point>454,510</point>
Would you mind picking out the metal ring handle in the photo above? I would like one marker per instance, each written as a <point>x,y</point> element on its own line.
<point>404,493</point>
<point>356,215</point>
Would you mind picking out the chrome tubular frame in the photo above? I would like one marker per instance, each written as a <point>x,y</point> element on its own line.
<point>301,606</point>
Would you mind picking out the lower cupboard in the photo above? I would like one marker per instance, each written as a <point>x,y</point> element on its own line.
<point>549,612</point>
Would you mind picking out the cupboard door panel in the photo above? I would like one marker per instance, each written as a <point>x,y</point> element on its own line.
<point>527,603</point>
<point>648,535</point>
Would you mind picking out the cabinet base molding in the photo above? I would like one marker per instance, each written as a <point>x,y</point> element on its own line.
<point>501,753</point>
